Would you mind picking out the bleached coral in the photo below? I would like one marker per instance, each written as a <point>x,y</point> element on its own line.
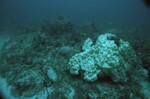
<point>109,56</point>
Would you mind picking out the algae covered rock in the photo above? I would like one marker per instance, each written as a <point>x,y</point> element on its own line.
<point>109,56</point>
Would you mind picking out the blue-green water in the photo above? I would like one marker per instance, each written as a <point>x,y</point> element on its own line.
<point>71,49</point>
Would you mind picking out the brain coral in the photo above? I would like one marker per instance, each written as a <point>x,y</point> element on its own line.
<point>109,56</point>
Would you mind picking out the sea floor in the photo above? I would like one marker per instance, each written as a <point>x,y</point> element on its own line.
<point>34,64</point>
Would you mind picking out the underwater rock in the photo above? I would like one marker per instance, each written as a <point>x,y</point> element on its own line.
<point>5,89</point>
<point>64,92</point>
<point>51,74</point>
<point>65,49</point>
<point>28,83</point>
<point>146,89</point>
<point>109,56</point>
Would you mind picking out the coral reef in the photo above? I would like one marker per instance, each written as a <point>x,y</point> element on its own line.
<point>35,65</point>
<point>109,56</point>
<point>142,47</point>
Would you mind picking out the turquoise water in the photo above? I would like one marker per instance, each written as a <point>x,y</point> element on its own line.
<point>71,49</point>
